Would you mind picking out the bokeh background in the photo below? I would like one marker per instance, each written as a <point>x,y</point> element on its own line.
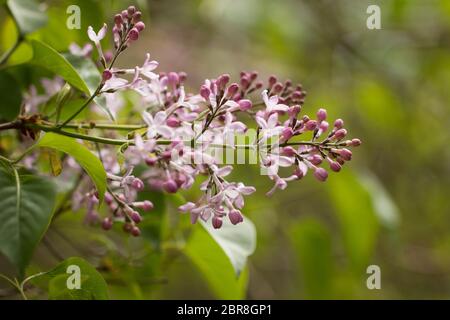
<point>389,207</point>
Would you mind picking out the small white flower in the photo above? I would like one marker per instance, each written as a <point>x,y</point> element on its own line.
<point>272,103</point>
<point>156,125</point>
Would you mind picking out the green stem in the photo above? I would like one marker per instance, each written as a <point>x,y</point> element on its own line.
<point>107,126</point>
<point>9,53</point>
<point>92,97</point>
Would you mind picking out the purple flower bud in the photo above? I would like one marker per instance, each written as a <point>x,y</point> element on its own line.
<point>259,85</point>
<point>216,222</point>
<point>356,142</point>
<point>147,205</point>
<point>151,160</point>
<point>235,216</point>
<point>173,122</point>
<point>340,134</point>
<point>315,159</point>
<point>182,75</point>
<point>345,154</point>
<point>299,173</point>
<point>108,198</point>
<point>277,87</point>
<point>287,133</point>
<point>323,126</point>
<point>137,18</point>
<point>108,56</point>
<point>272,80</point>
<point>173,77</point>
<point>289,151</point>
<point>339,123</point>
<point>335,166</point>
<point>245,82</point>
<point>311,125</point>
<point>170,186</point>
<point>232,89</point>
<point>106,75</point>
<point>107,223</point>
<point>205,92</point>
<point>296,95</point>
<point>133,34</point>
<point>294,111</point>
<point>140,26</point>
<point>131,10</point>
<point>118,20</point>
<point>135,216</point>
<point>245,104</point>
<point>137,184</point>
<point>124,14</point>
<point>321,115</point>
<point>321,174</point>
<point>127,227</point>
<point>253,75</point>
<point>135,231</point>
<point>223,80</point>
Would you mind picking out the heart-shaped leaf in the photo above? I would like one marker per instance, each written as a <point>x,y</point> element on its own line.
<point>237,241</point>
<point>86,159</point>
<point>27,203</point>
<point>64,279</point>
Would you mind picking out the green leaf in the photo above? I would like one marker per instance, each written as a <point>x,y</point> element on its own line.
<point>27,203</point>
<point>312,246</point>
<point>11,97</point>
<point>358,220</point>
<point>87,160</point>
<point>237,241</point>
<point>92,284</point>
<point>27,14</point>
<point>48,58</point>
<point>214,265</point>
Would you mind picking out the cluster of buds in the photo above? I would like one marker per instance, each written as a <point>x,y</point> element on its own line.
<point>172,147</point>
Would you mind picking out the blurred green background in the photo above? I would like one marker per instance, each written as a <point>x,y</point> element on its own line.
<point>390,206</point>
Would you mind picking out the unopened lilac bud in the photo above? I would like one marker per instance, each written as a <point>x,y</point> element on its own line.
<point>294,111</point>
<point>339,123</point>
<point>289,151</point>
<point>277,87</point>
<point>272,80</point>
<point>108,198</point>
<point>232,89</point>
<point>107,223</point>
<point>321,115</point>
<point>216,222</point>
<point>296,95</point>
<point>135,216</point>
<point>356,142</point>
<point>173,77</point>
<point>321,174</point>
<point>259,85</point>
<point>151,160</point>
<point>340,134</point>
<point>315,159</point>
<point>135,231</point>
<point>147,205</point>
<point>131,10</point>
<point>182,75</point>
<point>235,216</point>
<point>245,82</point>
<point>311,125</point>
<point>118,20</point>
<point>287,133</point>
<point>205,92</point>
<point>140,26</point>
<point>173,122</point>
<point>334,165</point>
<point>137,16</point>
<point>127,227</point>
<point>223,80</point>
<point>245,104</point>
<point>253,75</point>
<point>133,34</point>
<point>137,184</point>
<point>170,186</point>
<point>323,126</point>
<point>106,75</point>
<point>345,154</point>
<point>124,14</point>
<point>299,173</point>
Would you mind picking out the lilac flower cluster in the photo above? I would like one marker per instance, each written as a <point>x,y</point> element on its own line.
<point>179,129</point>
